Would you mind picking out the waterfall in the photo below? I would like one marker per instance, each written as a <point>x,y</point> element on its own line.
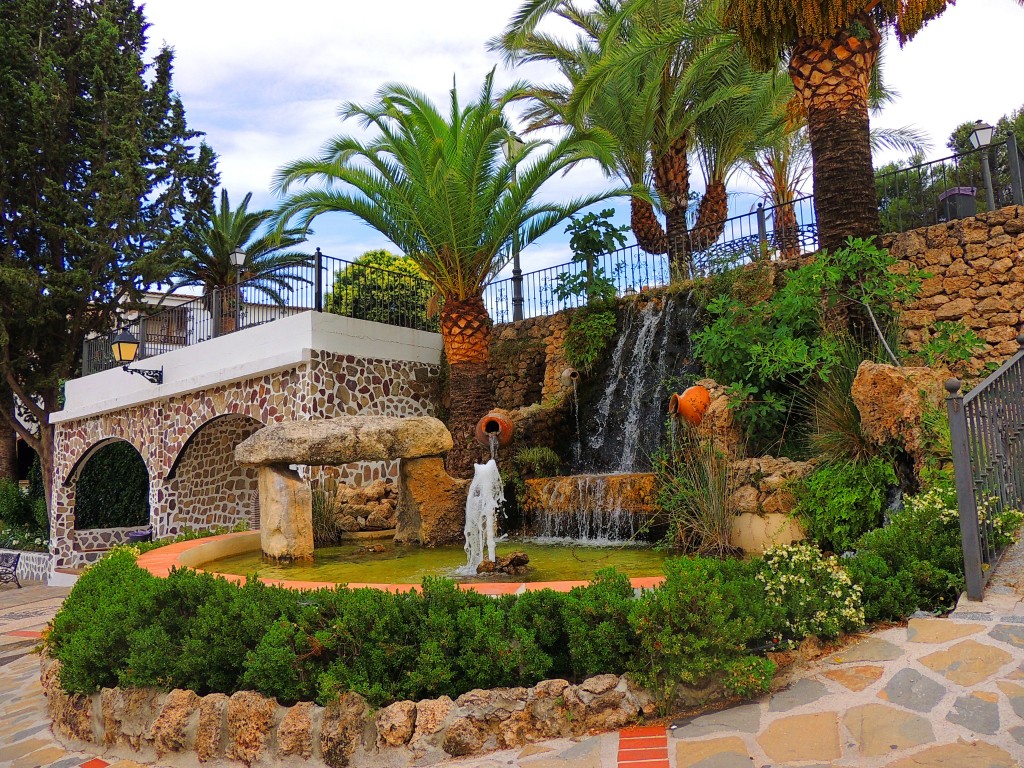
<point>622,409</point>
<point>485,496</point>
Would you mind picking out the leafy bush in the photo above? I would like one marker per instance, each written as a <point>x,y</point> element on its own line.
<point>840,501</point>
<point>702,621</point>
<point>950,343</point>
<point>385,288</point>
<point>597,624</point>
<point>537,461</point>
<point>587,337</point>
<point>23,519</point>
<point>113,489</point>
<point>770,349</point>
<point>808,593</point>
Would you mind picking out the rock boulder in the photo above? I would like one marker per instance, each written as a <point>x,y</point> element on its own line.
<point>892,402</point>
<point>345,439</point>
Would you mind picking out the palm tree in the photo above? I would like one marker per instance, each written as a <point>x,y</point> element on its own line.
<point>267,267</point>
<point>438,186</point>
<point>832,46</point>
<point>662,67</point>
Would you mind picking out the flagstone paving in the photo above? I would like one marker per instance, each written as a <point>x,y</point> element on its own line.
<point>936,693</point>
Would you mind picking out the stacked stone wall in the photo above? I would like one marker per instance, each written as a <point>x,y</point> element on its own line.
<point>32,566</point>
<point>527,360</point>
<point>976,275</point>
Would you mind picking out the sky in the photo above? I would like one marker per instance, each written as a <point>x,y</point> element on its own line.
<point>264,81</point>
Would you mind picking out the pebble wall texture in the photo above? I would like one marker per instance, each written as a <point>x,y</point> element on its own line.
<point>212,489</point>
<point>977,276</point>
<point>32,566</point>
<point>164,431</point>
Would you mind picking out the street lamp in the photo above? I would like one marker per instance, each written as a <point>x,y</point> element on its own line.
<point>981,137</point>
<point>513,148</point>
<point>237,257</point>
<point>124,348</point>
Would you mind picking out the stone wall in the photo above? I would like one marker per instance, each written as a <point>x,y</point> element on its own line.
<point>32,566</point>
<point>180,727</point>
<point>212,489</point>
<point>163,431</point>
<point>977,277</point>
<point>527,360</point>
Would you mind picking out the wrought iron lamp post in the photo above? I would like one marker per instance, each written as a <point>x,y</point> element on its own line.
<point>981,137</point>
<point>124,348</point>
<point>513,147</point>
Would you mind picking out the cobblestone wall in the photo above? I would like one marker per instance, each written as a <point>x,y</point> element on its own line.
<point>212,489</point>
<point>977,277</point>
<point>163,431</point>
<point>32,566</point>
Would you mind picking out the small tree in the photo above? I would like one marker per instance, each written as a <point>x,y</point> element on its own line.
<point>385,288</point>
<point>100,180</point>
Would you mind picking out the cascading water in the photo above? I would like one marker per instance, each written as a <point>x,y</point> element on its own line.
<point>485,496</point>
<point>623,408</point>
<point>620,424</point>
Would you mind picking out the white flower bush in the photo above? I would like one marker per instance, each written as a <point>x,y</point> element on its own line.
<point>812,593</point>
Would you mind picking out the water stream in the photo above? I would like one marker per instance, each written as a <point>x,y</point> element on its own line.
<point>485,496</point>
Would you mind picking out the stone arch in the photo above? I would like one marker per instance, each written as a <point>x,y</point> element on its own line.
<point>207,486</point>
<point>90,543</point>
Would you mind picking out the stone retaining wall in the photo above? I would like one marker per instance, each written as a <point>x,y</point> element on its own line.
<point>101,539</point>
<point>977,277</point>
<point>32,566</point>
<point>180,728</point>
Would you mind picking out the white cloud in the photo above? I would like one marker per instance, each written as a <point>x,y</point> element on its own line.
<point>265,81</point>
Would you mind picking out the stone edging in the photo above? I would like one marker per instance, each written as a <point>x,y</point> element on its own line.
<point>181,728</point>
<point>32,566</point>
<point>189,554</point>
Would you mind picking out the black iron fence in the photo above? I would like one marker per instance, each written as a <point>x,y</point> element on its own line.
<point>326,283</point>
<point>920,195</point>
<point>986,428</point>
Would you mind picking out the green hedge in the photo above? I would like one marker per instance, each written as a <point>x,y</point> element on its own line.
<point>122,626</point>
<point>113,489</point>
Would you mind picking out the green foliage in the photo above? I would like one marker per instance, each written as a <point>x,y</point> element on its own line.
<point>916,561</point>
<point>23,520</point>
<point>949,343</point>
<point>538,461</point>
<point>840,501</point>
<point>586,339</point>
<point>591,237</point>
<point>808,593</point>
<point>597,624</point>
<point>112,489</point>
<point>694,483</point>
<point>385,288</point>
<point>702,621</point>
<point>771,349</point>
<point>325,512</point>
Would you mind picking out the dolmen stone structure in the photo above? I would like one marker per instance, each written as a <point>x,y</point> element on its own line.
<point>430,502</point>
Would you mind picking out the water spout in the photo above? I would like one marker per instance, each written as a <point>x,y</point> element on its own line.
<point>485,496</point>
<point>494,430</point>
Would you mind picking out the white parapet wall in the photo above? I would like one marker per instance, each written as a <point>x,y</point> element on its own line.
<point>250,352</point>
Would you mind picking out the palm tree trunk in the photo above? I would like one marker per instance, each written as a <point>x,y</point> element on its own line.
<point>649,233</point>
<point>786,230</point>
<point>466,333</point>
<point>672,181</point>
<point>711,215</point>
<point>832,77</point>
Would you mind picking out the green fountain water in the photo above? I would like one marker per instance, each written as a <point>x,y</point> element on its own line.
<point>398,564</point>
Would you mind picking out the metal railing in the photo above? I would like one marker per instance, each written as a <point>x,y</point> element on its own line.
<point>328,284</point>
<point>986,428</point>
<point>770,233</point>
<point>953,187</point>
<point>917,196</point>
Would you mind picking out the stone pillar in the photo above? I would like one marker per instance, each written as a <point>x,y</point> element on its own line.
<point>62,523</point>
<point>286,513</point>
<point>162,506</point>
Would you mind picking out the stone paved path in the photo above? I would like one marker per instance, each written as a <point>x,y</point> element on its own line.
<point>937,693</point>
